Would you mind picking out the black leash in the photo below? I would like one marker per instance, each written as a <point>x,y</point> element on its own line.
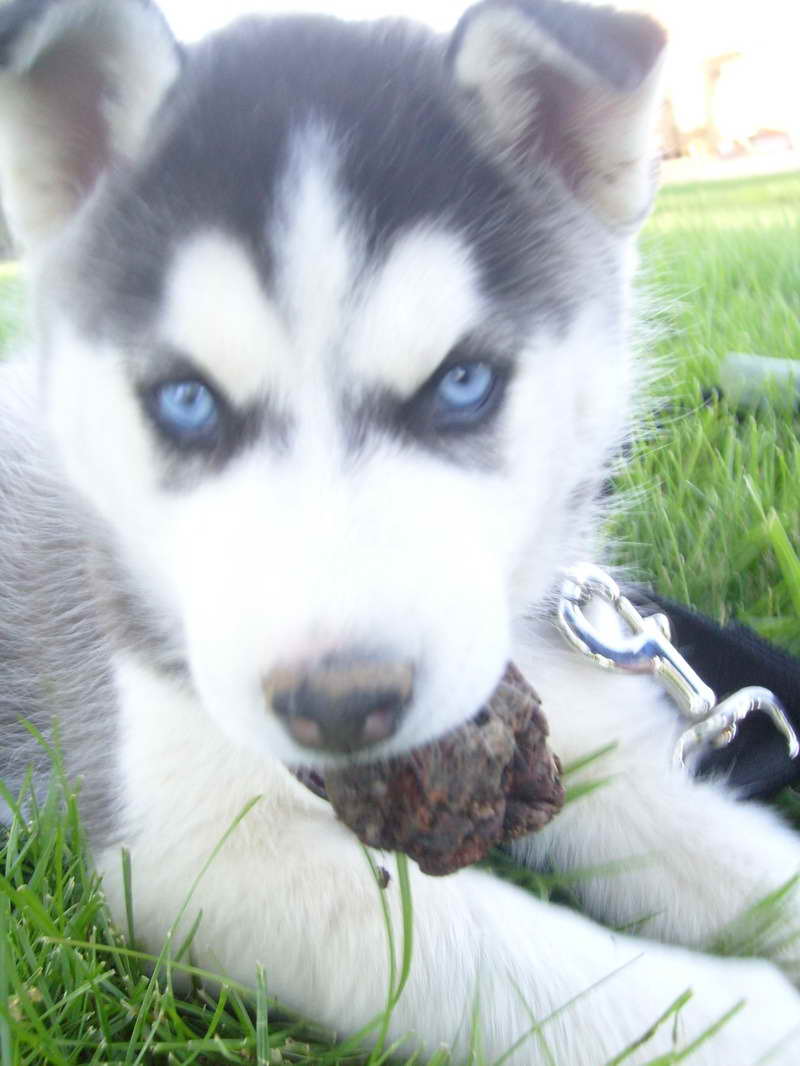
<point>729,658</point>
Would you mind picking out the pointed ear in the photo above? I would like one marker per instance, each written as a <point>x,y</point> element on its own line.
<point>577,86</point>
<point>79,82</point>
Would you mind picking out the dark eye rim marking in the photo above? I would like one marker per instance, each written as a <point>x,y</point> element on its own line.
<point>426,413</point>
<point>234,426</point>
<point>463,436</point>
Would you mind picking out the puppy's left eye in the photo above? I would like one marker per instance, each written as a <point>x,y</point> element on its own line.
<point>464,390</point>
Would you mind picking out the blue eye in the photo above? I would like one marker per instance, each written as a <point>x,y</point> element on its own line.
<point>186,410</point>
<point>465,388</point>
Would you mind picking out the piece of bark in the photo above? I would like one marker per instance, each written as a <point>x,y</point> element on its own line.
<point>447,804</point>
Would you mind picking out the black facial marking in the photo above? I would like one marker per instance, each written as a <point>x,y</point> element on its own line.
<point>384,97</point>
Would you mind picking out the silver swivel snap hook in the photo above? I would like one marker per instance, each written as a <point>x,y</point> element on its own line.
<point>647,649</point>
<point>719,728</point>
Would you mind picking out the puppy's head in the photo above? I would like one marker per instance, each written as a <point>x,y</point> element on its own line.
<point>333,329</point>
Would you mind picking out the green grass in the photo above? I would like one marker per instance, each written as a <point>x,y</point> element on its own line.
<point>73,990</point>
<point>713,519</point>
<point>716,514</point>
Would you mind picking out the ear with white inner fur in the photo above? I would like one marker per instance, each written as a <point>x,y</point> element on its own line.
<point>576,85</point>
<point>79,82</point>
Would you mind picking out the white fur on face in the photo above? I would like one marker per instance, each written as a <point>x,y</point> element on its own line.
<point>391,331</point>
<point>285,557</point>
<point>316,250</point>
<point>215,314</point>
<point>420,304</point>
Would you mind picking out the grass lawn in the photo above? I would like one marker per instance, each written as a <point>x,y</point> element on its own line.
<point>713,519</point>
<point>716,521</point>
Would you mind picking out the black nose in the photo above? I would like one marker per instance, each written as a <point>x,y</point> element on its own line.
<point>343,703</point>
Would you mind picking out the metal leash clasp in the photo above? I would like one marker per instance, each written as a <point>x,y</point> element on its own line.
<point>647,649</point>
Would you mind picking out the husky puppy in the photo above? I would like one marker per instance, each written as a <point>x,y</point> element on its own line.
<point>331,350</point>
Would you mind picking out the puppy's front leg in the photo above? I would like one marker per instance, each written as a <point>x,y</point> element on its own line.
<point>291,890</point>
<point>683,855</point>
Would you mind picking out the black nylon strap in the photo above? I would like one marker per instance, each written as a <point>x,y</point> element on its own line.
<point>729,658</point>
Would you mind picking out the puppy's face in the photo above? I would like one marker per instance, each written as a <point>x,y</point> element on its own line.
<point>337,380</point>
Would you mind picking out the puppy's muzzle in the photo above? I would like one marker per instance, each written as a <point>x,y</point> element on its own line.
<point>342,704</point>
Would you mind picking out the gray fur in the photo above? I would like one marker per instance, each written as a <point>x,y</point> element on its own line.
<point>65,606</point>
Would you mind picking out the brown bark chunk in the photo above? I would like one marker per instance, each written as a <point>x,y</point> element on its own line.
<point>447,804</point>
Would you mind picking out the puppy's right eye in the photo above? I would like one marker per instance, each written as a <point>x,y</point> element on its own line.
<point>186,411</point>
